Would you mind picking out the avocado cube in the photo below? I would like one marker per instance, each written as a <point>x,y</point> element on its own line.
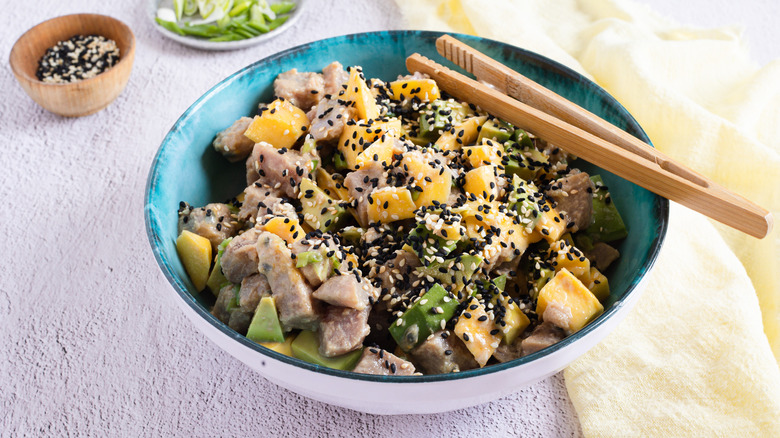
<point>217,278</point>
<point>441,114</point>
<point>320,266</point>
<point>319,210</point>
<point>429,314</point>
<point>426,245</point>
<point>265,326</point>
<point>495,129</point>
<point>522,138</point>
<point>538,280</point>
<point>500,282</point>
<point>526,163</point>
<point>446,275</point>
<point>306,347</point>
<point>523,200</point>
<point>351,235</point>
<point>607,223</point>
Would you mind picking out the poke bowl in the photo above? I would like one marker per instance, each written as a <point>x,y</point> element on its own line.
<point>188,170</point>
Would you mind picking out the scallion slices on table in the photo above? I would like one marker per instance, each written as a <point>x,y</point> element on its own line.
<point>224,20</point>
<point>389,229</point>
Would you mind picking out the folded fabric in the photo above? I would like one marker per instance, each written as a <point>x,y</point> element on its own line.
<point>693,358</point>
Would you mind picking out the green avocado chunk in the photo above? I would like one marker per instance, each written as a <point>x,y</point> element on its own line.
<point>306,347</point>
<point>308,258</point>
<point>522,199</point>
<point>351,235</point>
<point>318,261</point>
<point>217,278</point>
<point>500,282</point>
<point>423,243</point>
<point>523,139</point>
<point>439,114</point>
<point>538,282</point>
<point>525,162</point>
<point>428,315</point>
<point>607,223</point>
<point>320,210</point>
<point>265,326</point>
<point>495,129</point>
<point>441,272</point>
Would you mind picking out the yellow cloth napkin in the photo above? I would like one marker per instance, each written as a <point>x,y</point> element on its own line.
<point>693,357</point>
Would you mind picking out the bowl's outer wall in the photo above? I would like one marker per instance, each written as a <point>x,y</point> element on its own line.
<point>188,169</point>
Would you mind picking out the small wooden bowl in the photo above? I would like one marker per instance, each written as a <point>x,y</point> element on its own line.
<point>78,98</point>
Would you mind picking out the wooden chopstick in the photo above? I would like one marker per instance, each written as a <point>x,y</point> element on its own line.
<point>510,82</point>
<point>644,168</point>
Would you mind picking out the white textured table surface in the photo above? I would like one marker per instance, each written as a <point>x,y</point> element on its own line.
<point>90,343</point>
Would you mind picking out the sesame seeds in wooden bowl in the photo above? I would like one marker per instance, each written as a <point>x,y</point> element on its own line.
<point>84,96</point>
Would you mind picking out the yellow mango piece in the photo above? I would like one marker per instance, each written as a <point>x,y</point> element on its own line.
<point>478,222</point>
<point>550,226</point>
<point>598,284</point>
<point>563,256</point>
<point>488,153</point>
<point>475,333</point>
<point>514,319</point>
<point>359,135</point>
<point>195,254</point>
<point>357,91</point>
<point>482,182</point>
<point>464,134</point>
<point>437,189</point>
<point>288,229</point>
<point>284,348</point>
<point>569,292</point>
<point>391,204</point>
<point>424,89</point>
<point>380,150</point>
<point>333,185</point>
<point>279,125</point>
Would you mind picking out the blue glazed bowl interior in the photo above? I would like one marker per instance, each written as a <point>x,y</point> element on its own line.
<point>187,168</point>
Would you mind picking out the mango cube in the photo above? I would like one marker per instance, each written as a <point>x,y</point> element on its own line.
<point>279,125</point>
<point>550,226</point>
<point>475,333</point>
<point>381,150</point>
<point>359,135</point>
<point>488,153</point>
<point>598,284</point>
<point>357,91</point>
<point>569,293</point>
<point>390,204</point>
<point>284,348</point>
<point>424,89</point>
<point>333,185</point>
<point>482,182</point>
<point>195,254</point>
<point>563,256</point>
<point>288,229</point>
<point>514,320</point>
<point>465,133</point>
<point>436,187</point>
<point>477,222</point>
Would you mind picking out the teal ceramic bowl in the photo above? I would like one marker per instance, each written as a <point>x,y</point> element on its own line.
<point>187,168</point>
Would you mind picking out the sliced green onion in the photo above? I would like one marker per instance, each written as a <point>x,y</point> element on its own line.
<point>282,7</point>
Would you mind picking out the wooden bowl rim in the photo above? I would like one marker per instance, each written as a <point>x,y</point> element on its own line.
<point>15,59</point>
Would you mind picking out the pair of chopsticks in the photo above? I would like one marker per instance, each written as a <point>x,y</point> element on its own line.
<point>534,108</point>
